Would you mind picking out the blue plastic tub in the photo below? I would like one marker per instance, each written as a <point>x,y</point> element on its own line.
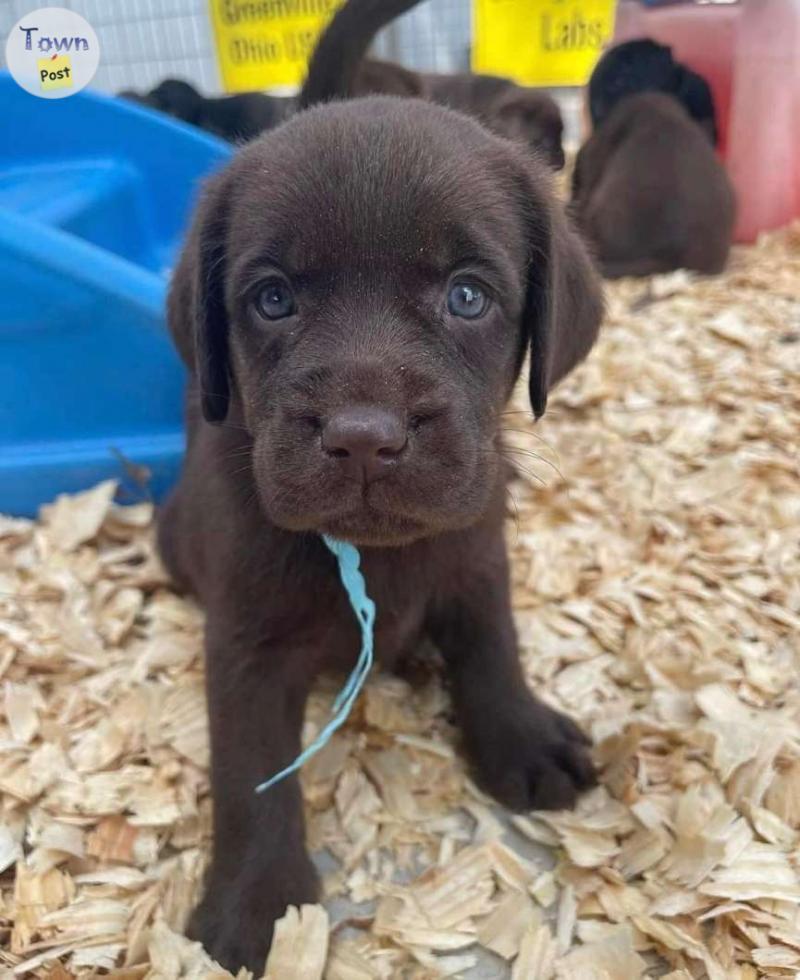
<point>95,195</point>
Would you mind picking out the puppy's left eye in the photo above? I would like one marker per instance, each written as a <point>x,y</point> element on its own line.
<point>467,300</point>
<point>275,300</point>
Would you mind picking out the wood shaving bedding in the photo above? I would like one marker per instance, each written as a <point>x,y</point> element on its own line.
<point>656,574</point>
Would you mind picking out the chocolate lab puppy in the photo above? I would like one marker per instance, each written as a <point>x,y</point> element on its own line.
<point>509,110</point>
<point>644,65</point>
<point>649,192</point>
<point>354,302</point>
<point>236,118</point>
<point>376,77</point>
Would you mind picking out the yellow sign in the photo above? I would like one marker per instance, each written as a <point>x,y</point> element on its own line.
<point>264,44</point>
<point>55,72</point>
<point>540,42</point>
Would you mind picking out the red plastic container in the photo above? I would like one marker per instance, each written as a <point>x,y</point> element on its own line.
<point>763,155</point>
<point>749,53</point>
<point>702,37</point>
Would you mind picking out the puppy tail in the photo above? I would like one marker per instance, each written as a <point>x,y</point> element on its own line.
<point>342,46</point>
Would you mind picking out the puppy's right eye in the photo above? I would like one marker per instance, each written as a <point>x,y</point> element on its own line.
<point>275,300</point>
<point>467,300</point>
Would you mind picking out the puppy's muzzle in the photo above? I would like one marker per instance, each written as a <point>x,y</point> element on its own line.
<point>365,441</point>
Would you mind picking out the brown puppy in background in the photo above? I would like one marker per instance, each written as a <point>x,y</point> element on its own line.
<point>506,108</point>
<point>649,192</point>
<point>376,77</point>
<point>354,303</point>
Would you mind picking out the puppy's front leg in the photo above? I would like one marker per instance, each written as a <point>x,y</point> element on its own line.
<point>256,696</point>
<point>525,754</point>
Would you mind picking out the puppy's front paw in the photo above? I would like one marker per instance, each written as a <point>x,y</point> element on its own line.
<point>235,921</point>
<point>530,757</point>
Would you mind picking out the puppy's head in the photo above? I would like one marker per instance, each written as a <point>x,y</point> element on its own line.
<point>359,290</point>
<point>534,118</point>
<point>177,98</point>
<point>641,65</point>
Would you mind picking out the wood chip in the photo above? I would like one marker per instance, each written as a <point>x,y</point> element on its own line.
<point>22,704</point>
<point>72,521</point>
<point>300,947</point>
<point>612,959</point>
<point>502,931</point>
<point>537,955</point>
<point>655,573</point>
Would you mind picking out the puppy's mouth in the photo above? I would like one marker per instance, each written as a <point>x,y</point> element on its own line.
<point>412,486</point>
<point>368,515</point>
<point>368,527</point>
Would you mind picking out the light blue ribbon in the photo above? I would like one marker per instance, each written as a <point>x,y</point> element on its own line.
<point>348,559</point>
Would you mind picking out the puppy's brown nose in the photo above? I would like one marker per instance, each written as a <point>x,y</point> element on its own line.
<point>367,440</point>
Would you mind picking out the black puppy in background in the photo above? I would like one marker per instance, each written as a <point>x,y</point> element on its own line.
<point>648,190</point>
<point>644,65</point>
<point>508,109</point>
<point>354,302</point>
<point>236,118</point>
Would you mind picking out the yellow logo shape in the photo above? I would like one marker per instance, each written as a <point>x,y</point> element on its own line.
<point>55,72</point>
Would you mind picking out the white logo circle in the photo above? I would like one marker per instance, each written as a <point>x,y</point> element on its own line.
<point>52,52</point>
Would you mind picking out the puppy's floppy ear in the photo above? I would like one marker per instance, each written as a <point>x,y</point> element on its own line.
<point>564,302</point>
<point>197,314</point>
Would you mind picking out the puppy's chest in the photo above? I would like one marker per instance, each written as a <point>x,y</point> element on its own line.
<point>399,628</point>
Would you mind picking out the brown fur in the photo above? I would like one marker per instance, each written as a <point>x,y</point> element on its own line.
<point>510,110</point>
<point>649,192</point>
<point>389,202</point>
<point>375,77</point>
<point>339,69</point>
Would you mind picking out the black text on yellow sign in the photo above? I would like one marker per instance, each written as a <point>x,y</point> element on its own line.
<point>540,42</point>
<point>266,44</point>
